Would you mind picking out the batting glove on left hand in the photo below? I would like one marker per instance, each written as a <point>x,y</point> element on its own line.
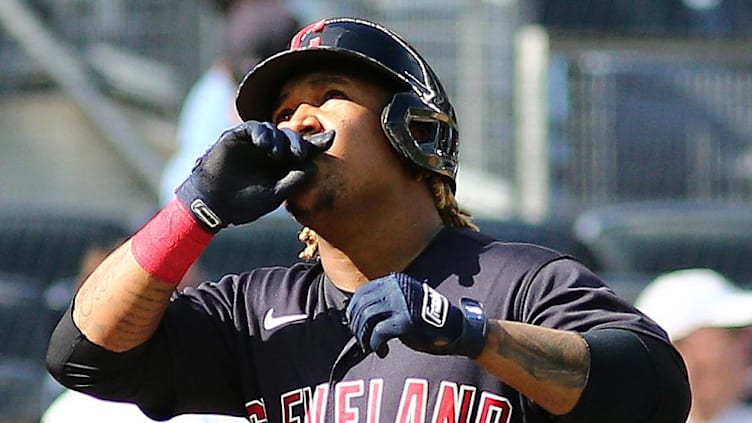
<point>398,306</point>
<point>249,172</point>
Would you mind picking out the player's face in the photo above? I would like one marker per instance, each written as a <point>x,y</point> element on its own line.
<point>361,165</point>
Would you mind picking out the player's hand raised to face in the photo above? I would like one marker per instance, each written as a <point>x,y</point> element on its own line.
<point>249,172</point>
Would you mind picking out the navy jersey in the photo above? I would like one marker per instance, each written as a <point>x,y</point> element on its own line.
<point>272,344</point>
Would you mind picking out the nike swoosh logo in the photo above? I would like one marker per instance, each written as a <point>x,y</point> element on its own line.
<point>273,322</point>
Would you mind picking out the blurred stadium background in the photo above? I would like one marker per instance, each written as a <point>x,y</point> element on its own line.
<point>617,130</point>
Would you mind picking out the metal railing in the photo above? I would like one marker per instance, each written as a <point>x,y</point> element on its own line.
<point>650,119</point>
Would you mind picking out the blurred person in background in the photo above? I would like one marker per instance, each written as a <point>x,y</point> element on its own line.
<point>253,30</point>
<point>709,321</point>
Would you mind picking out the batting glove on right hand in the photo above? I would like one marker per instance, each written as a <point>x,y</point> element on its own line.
<point>398,306</point>
<point>248,173</point>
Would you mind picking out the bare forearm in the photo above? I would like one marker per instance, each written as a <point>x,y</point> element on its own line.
<point>119,306</point>
<point>549,366</point>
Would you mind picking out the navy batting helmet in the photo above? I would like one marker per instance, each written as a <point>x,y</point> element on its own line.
<point>362,47</point>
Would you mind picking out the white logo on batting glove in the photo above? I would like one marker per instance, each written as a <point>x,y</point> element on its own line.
<point>435,307</point>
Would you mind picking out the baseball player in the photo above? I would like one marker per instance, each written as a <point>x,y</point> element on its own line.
<point>403,312</point>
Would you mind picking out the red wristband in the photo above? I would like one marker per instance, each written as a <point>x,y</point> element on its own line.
<point>168,244</point>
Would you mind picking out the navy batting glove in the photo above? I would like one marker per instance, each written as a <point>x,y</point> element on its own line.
<point>248,173</point>
<point>398,306</point>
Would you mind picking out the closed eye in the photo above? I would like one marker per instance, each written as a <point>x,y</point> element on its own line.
<point>335,94</point>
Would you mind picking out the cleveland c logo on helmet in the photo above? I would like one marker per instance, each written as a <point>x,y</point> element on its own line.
<point>297,40</point>
<point>357,45</point>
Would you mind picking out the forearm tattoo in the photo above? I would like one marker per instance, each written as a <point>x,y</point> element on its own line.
<point>549,357</point>
<point>118,315</point>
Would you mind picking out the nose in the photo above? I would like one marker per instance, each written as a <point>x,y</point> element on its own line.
<point>304,120</point>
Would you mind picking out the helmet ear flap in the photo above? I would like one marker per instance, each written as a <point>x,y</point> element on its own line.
<point>435,148</point>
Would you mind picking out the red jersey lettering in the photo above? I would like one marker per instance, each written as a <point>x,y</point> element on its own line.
<point>453,404</point>
<point>493,409</point>
<point>344,392</point>
<point>375,391</point>
<point>412,408</point>
<point>256,411</point>
<point>293,405</point>
<point>317,410</point>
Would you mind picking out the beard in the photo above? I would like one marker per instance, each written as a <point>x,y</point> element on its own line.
<point>321,195</point>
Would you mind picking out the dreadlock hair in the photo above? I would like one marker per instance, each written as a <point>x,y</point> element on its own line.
<point>451,213</point>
